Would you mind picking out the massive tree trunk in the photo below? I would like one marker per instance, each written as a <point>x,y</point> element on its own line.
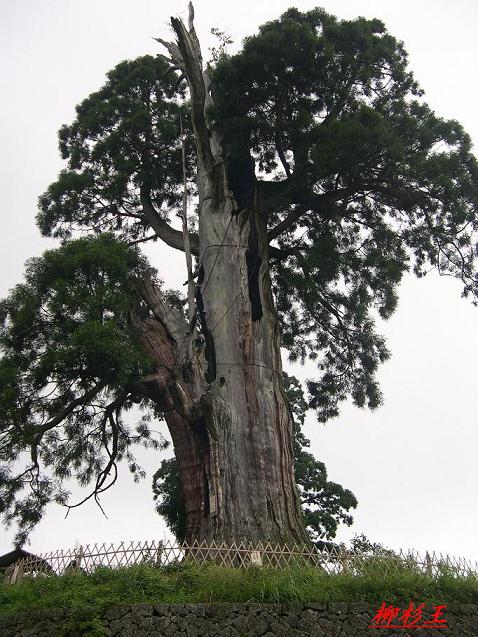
<point>219,382</point>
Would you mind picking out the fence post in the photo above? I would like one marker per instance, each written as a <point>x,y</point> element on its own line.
<point>17,574</point>
<point>343,558</point>
<point>429,564</point>
<point>79,557</point>
<point>159,553</point>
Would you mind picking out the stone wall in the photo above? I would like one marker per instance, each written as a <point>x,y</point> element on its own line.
<point>229,620</point>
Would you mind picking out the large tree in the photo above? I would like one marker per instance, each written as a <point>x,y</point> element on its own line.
<point>319,177</point>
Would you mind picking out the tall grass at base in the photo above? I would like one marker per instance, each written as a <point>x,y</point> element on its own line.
<point>189,583</point>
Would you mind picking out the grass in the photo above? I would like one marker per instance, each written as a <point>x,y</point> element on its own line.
<point>188,583</point>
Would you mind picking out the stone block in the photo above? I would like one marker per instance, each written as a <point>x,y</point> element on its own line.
<point>192,631</point>
<point>314,619</point>
<point>196,609</point>
<point>337,608</point>
<point>318,606</point>
<point>325,623</point>
<point>116,612</point>
<point>142,610</point>
<point>261,623</point>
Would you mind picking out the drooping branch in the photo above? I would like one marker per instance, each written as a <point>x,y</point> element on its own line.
<point>325,204</point>
<point>150,237</point>
<point>282,253</point>
<point>68,409</point>
<point>286,223</point>
<point>100,486</point>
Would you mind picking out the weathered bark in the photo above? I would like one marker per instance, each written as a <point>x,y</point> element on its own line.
<point>175,384</point>
<point>224,403</point>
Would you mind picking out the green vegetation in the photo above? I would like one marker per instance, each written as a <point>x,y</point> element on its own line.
<point>83,622</point>
<point>331,153</point>
<point>190,583</point>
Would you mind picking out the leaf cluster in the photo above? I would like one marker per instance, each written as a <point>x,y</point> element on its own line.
<point>125,139</point>
<point>69,361</point>
<point>360,182</point>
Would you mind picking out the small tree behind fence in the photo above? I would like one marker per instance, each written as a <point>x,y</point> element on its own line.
<point>333,560</point>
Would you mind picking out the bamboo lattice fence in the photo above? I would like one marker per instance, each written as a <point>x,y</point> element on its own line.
<point>165,553</point>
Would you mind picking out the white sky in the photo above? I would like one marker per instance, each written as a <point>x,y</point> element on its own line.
<point>413,463</point>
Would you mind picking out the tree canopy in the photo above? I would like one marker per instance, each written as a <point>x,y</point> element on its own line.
<point>68,371</point>
<point>360,181</point>
<point>356,178</point>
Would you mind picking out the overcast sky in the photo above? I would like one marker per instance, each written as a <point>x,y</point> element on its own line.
<point>413,463</point>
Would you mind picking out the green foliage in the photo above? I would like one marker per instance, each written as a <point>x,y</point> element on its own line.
<point>360,181</point>
<point>370,181</point>
<point>168,497</point>
<point>83,623</point>
<point>325,504</point>
<point>188,583</point>
<point>361,545</point>
<point>68,358</point>
<point>125,139</point>
<point>223,41</point>
<point>299,70</point>
<point>368,558</point>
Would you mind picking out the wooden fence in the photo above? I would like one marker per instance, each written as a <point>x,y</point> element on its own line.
<point>163,553</point>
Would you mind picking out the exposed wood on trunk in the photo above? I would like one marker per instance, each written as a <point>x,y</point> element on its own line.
<point>175,384</point>
<point>187,244</point>
<point>233,440</point>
